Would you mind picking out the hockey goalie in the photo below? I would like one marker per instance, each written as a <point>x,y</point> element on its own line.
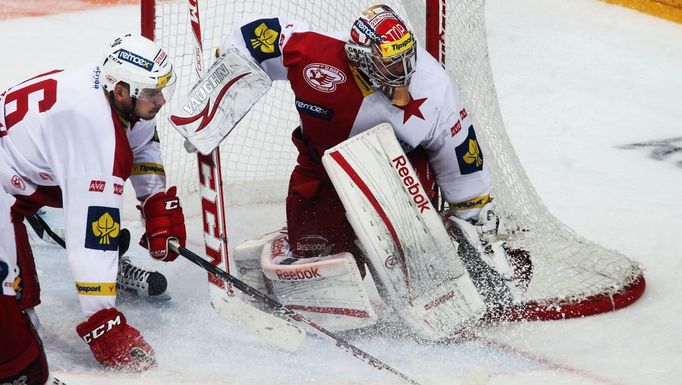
<point>383,135</point>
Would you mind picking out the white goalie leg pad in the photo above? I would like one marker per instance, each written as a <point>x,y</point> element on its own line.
<point>327,290</point>
<point>410,254</point>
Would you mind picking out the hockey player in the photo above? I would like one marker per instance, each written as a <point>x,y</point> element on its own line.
<point>345,84</point>
<point>71,139</point>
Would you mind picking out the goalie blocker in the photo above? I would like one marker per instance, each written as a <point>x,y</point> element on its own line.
<point>219,100</point>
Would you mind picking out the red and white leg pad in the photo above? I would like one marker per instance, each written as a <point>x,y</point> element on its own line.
<point>328,290</point>
<point>410,254</point>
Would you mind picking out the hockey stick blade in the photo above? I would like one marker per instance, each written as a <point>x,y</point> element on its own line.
<point>282,311</point>
<point>277,331</point>
<point>274,330</point>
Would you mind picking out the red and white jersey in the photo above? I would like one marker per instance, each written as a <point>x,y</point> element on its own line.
<point>62,145</point>
<point>336,102</point>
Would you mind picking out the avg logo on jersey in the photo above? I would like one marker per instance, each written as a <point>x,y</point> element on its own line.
<point>97,185</point>
<point>263,35</point>
<point>469,155</point>
<point>103,226</point>
<point>135,59</point>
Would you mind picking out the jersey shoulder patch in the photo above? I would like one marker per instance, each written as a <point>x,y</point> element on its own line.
<point>469,155</point>
<point>103,227</point>
<point>262,38</point>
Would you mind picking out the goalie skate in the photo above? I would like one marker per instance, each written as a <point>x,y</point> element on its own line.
<point>141,283</point>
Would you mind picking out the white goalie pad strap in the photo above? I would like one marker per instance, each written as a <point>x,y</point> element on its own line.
<point>247,256</point>
<point>408,249</point>
<point>327,290</point>
<point>219,100</point>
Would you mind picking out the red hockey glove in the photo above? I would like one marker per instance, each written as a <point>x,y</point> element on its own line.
<point>163,220</point>
<point>114,343</point>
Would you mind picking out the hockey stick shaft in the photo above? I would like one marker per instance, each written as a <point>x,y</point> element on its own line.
<point>282,311</point>
<point>39,224</point>
<point>270,328</point>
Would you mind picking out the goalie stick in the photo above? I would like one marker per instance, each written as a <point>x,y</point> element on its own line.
<point>230,307</point>
<point>282,311</point>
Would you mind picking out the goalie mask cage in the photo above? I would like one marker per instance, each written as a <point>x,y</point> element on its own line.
<point>572,276</point>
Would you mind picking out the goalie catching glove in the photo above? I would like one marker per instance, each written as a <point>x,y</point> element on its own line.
<point>501,273</point>
<point>164,220</point>
<point>114,343</point>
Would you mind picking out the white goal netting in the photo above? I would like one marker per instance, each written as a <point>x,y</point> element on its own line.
<point>572,276</point>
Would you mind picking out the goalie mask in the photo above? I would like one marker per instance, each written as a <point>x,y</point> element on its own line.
<point>140,63</point>
<point>385,50</point>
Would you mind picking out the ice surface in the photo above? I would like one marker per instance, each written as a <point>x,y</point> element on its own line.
<point>577,80</point>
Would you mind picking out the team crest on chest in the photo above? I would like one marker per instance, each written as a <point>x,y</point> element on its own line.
<point>323,77</point>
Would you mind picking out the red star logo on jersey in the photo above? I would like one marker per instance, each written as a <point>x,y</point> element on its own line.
<point>412,109</point>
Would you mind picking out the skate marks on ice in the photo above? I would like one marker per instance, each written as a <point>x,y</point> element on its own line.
<point>663,150</point>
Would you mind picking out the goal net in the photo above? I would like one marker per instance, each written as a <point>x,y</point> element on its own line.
<point>572,276</point>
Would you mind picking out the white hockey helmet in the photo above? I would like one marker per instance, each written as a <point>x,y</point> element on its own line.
<point>140,63</point>
<point>382,47</point>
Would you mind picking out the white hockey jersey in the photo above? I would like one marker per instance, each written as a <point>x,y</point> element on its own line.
<point>336,102</point>
<point>62,145</point>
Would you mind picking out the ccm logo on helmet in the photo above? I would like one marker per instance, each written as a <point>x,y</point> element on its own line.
<point>135,59</point>
<point>411,184</point>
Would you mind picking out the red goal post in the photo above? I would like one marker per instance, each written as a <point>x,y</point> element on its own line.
<point>573,276</point>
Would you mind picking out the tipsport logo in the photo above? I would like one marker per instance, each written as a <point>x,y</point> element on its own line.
<point>135,59</point>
